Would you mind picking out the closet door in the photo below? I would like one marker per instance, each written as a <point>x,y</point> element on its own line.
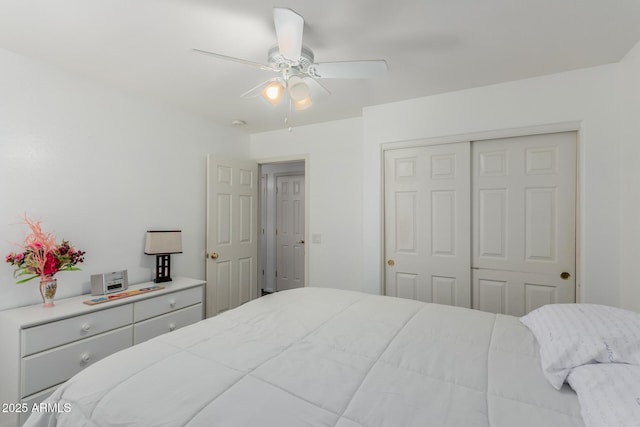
<point>524,232</point>
<point>427,223</point>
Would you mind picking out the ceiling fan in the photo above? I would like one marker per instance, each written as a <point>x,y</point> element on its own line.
<point>294,62</point>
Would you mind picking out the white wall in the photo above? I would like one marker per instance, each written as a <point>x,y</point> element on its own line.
<point>604,103</point>
<point>90,161</point>
<point>587,96</point>
<point>335,195</point>
<point>99,168</point>
<point>630,191</point>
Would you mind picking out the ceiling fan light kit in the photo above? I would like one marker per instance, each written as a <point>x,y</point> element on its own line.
<point>273,92</point>
<point>298,89</point>
<point>295,64</point>
<point>302,104</point>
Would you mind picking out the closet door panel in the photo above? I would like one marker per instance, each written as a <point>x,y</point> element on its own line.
<point>523,204</point>
<point>427,224</point>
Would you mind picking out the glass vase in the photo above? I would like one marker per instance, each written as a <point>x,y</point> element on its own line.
<point>48,287</point>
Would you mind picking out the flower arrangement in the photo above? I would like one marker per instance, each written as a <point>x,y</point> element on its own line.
<point>41,256</point>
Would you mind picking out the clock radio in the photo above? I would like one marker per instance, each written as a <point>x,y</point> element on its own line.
<point>107,283</point>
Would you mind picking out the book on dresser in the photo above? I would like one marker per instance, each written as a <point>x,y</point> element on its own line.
<point>74,334</point>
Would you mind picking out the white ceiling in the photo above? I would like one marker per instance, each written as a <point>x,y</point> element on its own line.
<point>431,46</point>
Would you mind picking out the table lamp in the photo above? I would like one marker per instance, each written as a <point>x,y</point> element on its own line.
<point>162,244</point>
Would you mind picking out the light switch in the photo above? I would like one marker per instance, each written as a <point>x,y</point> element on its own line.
<point>316,238</point>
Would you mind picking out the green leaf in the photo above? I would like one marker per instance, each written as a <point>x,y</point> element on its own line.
<point>26,280</point>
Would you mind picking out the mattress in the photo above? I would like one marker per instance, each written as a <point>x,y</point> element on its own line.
<point>323,357</point>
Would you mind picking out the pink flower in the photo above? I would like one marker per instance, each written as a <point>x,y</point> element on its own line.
<point>41,256</point>
<point>51,265</point>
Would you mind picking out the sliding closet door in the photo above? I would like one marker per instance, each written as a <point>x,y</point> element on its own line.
<point>427,223</point>
<point>524,232</point>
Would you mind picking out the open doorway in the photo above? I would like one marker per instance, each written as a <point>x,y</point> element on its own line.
<point>282,214</point>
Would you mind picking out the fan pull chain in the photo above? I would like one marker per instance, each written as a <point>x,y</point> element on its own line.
<point>286,119</point>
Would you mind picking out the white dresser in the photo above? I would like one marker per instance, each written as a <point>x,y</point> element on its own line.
<point>40,348</point>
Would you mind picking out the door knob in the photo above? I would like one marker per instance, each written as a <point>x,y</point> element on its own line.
<point>391,262</point>
<point>564,275</point>
<point>301,241</point>
<point>213,255</point>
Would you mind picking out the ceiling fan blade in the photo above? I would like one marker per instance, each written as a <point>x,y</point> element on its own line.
<point>315,87</point>
<point>289,26</point>
<point>238,60</point>
<point>257,90</point>
<point>349,69</point>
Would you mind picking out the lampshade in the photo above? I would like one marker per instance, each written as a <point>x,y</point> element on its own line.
<point>163,242</point>
<point>273,92</point>
<point>298,89</point>
<point>302,104</point>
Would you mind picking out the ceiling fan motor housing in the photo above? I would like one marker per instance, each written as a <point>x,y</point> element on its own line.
<point>301,65</point>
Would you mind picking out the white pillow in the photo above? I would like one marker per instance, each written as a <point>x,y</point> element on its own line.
<point>572,335</point>
<point>609,394</point>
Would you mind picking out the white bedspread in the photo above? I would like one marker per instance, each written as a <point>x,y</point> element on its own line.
<point>324,357</point>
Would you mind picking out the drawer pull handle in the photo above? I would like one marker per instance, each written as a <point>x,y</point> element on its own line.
<point>86,357</point>
<point>172,303</point>
<point>86,327</point>
<point>172,326</point>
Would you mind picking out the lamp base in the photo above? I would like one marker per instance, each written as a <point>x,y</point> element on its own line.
<point>163,268</point>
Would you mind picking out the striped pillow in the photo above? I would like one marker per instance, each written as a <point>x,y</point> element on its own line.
<point>609,394</point>
<point>571,335</point>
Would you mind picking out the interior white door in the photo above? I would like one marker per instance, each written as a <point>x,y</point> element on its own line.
<point>524,232</point>
<point>262,268</point>
<point>427,223</point>
<point>290,244</point>
<point>232,249</point>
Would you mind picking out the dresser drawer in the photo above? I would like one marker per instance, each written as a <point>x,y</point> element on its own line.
<point>162,304</point>
<point>52,367</point>
<point>148,329</point>
<point>44,337</point>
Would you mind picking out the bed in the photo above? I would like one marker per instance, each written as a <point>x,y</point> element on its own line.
<point>323,357</point>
